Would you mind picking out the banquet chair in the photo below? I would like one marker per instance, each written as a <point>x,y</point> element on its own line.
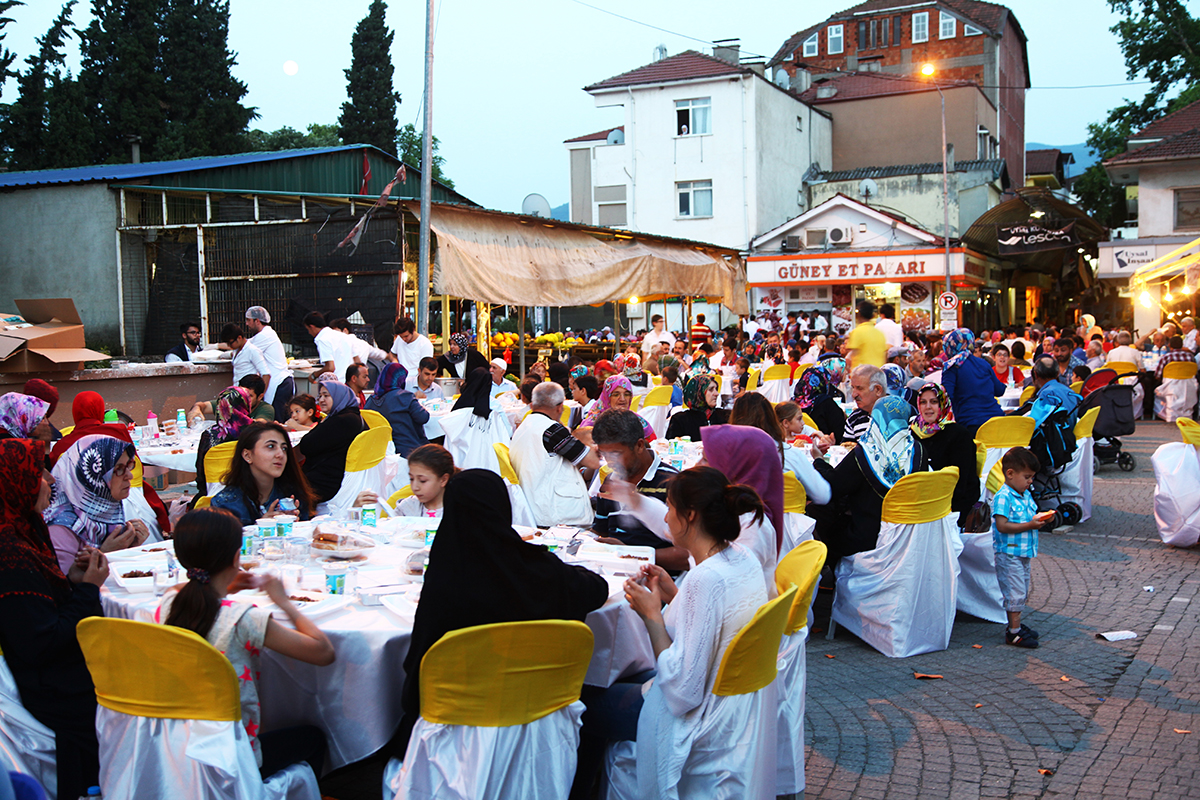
<point>26,745</point>
<point>1177,489</point>
<point>799,568</point>
<point>1128,372</point>
<point>367,468</point>
<point>900,597</point>
<point>655,408</point>
<point>202,502</point>
<point>997,435</point>
<point>1076,386</point>
<point>169,720</point>
<point>522,512</point>
<point>217,462</point>
<point>65,431</point>
<point>136,506</point>
<point>808,421</point>
<point>1189,429</point>
<point>797,526</point>
<point>1176,396</point>
<point>752,381</point>
<point>469,438</point>
<point>500,714</point>
<point>1122,368</point>
<point>776,383</point>
<point>1026,393</point>
<point>1075,482</point>
<point>374,419</point>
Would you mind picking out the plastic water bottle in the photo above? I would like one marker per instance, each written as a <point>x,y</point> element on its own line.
<point>181,419</point>
<point>152,425</point>
<point>92,793</point>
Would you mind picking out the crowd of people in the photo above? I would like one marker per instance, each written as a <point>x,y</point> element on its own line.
<point>914,403</point>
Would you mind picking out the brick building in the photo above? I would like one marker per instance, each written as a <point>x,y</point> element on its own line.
<point>965,40</point>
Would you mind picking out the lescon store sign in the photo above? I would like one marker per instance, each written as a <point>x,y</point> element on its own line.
<point>862,268</point>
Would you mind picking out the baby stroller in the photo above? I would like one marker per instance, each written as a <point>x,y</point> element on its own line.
<point>1115,401</point>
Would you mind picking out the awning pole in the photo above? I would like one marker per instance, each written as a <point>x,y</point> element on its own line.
<point>616,326</point>
<point>426,179</point>
<point>521,337</point>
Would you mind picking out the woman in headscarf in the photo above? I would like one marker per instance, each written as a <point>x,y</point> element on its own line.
<point>233,414</point>
<point>87,412</point>
<point>885,454</point>
<point>403,412</point>
<point>700,397</point>
<point>90,481</point>
<point>633,369</point>
<point>617,393</point>
<point>969,381</point>
<point>324,447</point>
<point>36,387</point>
<point>461,359</point>
<point>897,383</point>
<point>480,572</point>
<point>40,606</point>
<point>604,369</point>
<point>23,416</point>
<point>816,393</point>
<point>476,393</point>
<point>947,445</point>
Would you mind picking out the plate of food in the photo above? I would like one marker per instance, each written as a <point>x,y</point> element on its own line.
<point>329,540</point>
<point>403,604</point>
<point>134,577</point>
<point>309,602</point>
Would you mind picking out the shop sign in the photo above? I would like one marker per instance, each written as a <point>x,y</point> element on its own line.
<point>1126,260</point>
<point>1034,238</point>
<point>865,268</point>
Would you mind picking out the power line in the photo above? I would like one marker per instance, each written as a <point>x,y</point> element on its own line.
<point>655,27</point>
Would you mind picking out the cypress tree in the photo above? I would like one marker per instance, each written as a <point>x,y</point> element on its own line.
<point>369,116</point>
<point>7,57</point>
<point>23,128</point>
<point>69,136</point>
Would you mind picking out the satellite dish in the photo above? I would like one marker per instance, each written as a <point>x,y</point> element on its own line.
<point>535,205</point>
<point>868,189</point>
<point>782,79</point>
<point>660,52</point>
<point>616,136</point>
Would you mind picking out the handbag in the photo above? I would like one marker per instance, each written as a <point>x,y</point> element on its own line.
<point>979,518</point>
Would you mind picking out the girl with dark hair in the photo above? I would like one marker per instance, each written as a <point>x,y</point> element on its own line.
<point>263,472</point>
<point>304,413</point>
<point>430,468</point>
<point>324,447</point>
<point>209,544</point>
<point>39,609</point>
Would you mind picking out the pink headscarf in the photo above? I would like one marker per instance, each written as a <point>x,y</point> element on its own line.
<point>748,455</point>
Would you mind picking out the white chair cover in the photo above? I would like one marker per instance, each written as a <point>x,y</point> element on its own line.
<point>469,438</point>
<point>900,597</point>
<point>376,479</point>
<point>1175,398</point>
<point>144,757</point>
<point>792,683</point>
<point>777,391</point>
<point>1075,482</point>
<point>535,761</point>
<point>978,588</point>
<point>1139,395</point>
<point>26,745</point>
<point>994,454</point>
<point>657,417</point>
<point>522,512</point>
<point>136,506</point>
<point>1177,493</point>
<point>797,528</point>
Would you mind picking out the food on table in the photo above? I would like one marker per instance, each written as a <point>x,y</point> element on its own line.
<point>138,573</point>
<point>299,598</point>
<point>914,293</point>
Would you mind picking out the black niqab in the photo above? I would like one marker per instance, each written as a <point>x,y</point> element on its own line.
<point>476,393</point>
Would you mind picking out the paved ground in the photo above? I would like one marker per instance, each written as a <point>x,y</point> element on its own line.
<point>1079,717</point>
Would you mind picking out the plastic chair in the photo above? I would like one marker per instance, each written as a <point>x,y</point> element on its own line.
<point>1176,396</point>
<point>997,435</point>
<point>374,419</point>
<point>367,468</point>
<point>217,462</point>
<point>500,714</point>
<point>776,383</point>
<point>1189,429</point>
<point>1122,367</point>
<point>26,745</point>
<point>170,718</point>
<point>522,513</point>
<point>799,568</point>
<point>752,382</point>
<point>900,597</point>
<point>1076,480</point>
<point>797,526</point>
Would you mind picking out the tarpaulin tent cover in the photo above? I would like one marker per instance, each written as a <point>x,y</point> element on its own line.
<point>509,259</point>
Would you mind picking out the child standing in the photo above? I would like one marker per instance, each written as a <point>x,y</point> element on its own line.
<point>1015,520</point>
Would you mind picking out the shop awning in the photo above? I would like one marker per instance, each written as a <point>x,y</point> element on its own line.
<point>1173,263</point>
<point>511,259</point>
<point>1034,207</point>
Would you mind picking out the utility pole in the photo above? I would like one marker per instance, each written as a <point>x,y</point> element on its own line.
<point>426,180</point>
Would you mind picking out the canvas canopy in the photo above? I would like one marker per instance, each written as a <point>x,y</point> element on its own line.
<point>1173,263</point>
<point>508,259</point>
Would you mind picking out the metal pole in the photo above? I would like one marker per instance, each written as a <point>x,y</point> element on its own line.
<point>945,189</point>
<point>521,337</point>
<point>203,286</point>
<point>426,179</point>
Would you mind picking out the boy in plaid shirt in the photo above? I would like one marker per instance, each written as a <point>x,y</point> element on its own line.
<point>1015,520</point>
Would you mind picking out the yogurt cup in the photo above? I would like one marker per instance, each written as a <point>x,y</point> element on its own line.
<point>267,526</point>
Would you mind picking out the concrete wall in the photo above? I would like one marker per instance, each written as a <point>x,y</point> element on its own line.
<point>1156,196</point>
<point>60,241</point>
<point>789,136</point>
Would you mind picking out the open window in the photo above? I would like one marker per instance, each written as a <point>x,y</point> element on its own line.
<point>693,117</point>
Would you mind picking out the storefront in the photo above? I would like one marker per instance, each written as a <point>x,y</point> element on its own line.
<point>1156,277</point>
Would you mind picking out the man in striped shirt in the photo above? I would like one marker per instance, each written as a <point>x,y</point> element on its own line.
<point>700,332</point>
<point>1176,353</point>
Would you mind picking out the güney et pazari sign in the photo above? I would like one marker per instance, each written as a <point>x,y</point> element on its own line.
<point>859,268</point>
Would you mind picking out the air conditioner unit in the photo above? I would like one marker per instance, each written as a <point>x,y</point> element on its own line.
<point>790,244</point>
<point>840,236</point>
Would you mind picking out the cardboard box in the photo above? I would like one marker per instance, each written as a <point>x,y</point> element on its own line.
<point>46,336</point>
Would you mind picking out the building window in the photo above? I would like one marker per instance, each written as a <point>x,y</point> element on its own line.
<point>695,198</point>
<point>693,117</point>
<point>800,123</point>
<point>811,46</point>
<point>971,30</point>
<point>988,148</point>
<point>886,31</point>
<point>949,26</point>
<point>920,29</point>
<point>835,39</point>
<point>897,28</point>
<point>1187,209</point>
<point>862,36</point>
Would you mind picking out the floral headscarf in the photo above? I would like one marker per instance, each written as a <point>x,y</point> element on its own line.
<point>578,371</point>
<point>28,566</point>
<point>21,413</point>
<point>463,343</point>
<point>694,392</point>
<point>888,446</point>
<point>699,366</point>
<point>393,377</point>
<point>897,381</point>
<point>925,429</point>
<point>957,346</point>
<point>82,500</point>
<point>633,365</point>
<point>814,386</point>
<point>605,403</point>
<point>233,414</point>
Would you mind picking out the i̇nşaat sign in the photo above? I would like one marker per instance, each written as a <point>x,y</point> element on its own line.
<point>1034,238</point>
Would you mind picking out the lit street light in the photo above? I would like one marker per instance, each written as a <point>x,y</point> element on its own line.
<point>928,71</point>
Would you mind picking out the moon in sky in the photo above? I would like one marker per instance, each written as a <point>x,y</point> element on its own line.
<point>291,67</point>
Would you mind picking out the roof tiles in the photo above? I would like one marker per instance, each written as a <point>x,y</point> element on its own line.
<point>1042,162</point>
<point>598,136</point>
<point>853,85</point>
<point>680,67</point>
<point>1181,146</point>
<point>1183,120</point>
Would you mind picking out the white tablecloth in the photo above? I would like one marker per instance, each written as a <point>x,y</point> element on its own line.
<point>179,452</point>
<point>356,700</point>
<point>440,408</point>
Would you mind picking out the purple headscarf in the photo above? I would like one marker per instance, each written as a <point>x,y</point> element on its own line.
<point>21,413</point>
<point>750,456</point>
<point>393,377</point>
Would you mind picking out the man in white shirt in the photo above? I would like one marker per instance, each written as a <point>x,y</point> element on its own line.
<point>547,459</point>
<point>409,348</point>
<point>1123,352</point>
<point>281,385</point>
<point>247,359</point>
<point>887,325</point>
<point>499,384</point>
<point>751,326</point>
<point>819,323</point>
<point>364,352</point>
<point>1189,333</point>
<point>657,336</point>
<point>333,351</point>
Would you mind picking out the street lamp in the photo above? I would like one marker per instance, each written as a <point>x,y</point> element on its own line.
<point>928,71</point>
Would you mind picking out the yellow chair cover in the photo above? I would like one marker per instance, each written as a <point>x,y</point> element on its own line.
<point>374,419</point>
<point>67,430</point>
<point>1189,429</point>
<point>1179,371</point>
<point>800,568</point>
<point>749,663</point>
<point>368,449</point>
<point>509,673</point>
<point>752,382</point>
<point>507,470</point>
<point>658,396</point>
<point>400,494</point>
<point>800,370</point>
<point>720,379</point>
<point>217,462</point>
<point>980,456</point>
<point>1076,386</point>
<point>995,478</point>
<point>158,671</point>
<point>779,372</point>
<point>808,420</point>
<point>136,477</point>
<point>1006,432</point>
<point>1083,428</point>
<point>795,499</point>
<point>636,403</point>
<point>655,380</point>
<point>1026,393</point>
<point>203,502</point>
<point>566,416</point>
<point>1122,367</point>
<point>920,497</point>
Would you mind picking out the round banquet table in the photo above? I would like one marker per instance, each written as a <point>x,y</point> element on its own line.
<point>179,452</point>
<point>356,700</point>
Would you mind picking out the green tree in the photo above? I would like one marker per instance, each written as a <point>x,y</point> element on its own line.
<point>369,115</point>
<point>23,126</point>
<point>69,135</point>
<point>286,138</point>
<point>204,115</point>
<point>1160,40</point>
<point>7,57</point>
<point>409,142</point>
